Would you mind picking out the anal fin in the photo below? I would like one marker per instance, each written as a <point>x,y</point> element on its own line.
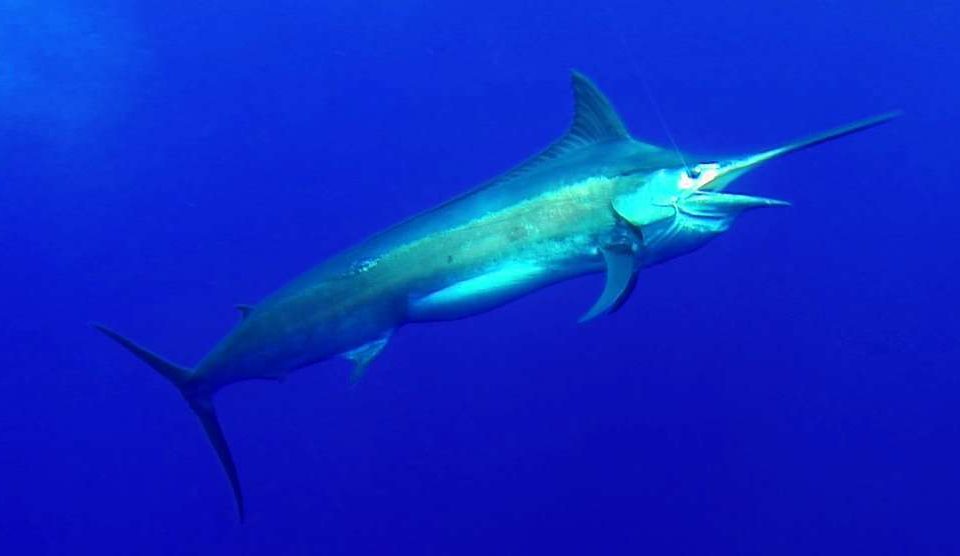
<point>245,310</point>
<point>621,277</point>
<point>364,355</point>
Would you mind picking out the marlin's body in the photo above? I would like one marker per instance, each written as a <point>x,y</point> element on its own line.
<point>467,256</point>
<point>596,200</point>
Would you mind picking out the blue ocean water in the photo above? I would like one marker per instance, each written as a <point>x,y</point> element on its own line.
<point>790,389</point>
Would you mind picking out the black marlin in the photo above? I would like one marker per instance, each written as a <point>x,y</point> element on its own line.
<point>596,200</point>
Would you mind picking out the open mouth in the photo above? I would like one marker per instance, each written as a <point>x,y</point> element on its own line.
<point>714,204</point>
<point>710,179</point>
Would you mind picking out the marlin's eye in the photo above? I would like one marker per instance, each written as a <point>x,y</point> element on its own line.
<point>699,170</point>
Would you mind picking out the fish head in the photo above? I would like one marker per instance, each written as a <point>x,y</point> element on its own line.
<point>679,209</point>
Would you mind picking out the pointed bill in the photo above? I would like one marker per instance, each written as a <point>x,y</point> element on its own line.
<point>728,171</point>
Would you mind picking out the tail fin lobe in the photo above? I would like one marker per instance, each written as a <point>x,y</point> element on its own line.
<point>174,373</point>
<point>199,400</point>
<point>205,411</point>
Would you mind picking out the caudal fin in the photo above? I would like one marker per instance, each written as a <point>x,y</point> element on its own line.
<point>201,404</point>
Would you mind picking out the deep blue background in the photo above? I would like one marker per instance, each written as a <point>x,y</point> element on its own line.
<point>791,389</point>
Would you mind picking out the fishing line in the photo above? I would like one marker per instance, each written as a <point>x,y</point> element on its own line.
<point>641,74</point>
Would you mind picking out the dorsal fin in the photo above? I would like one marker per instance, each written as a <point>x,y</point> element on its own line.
<point>594,121</point>
<point>244,310</point>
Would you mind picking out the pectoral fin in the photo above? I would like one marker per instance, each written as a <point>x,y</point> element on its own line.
<point>364,355</point>
<point>621,277</point>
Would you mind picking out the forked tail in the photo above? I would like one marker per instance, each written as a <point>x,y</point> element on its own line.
<point>200,403</point>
